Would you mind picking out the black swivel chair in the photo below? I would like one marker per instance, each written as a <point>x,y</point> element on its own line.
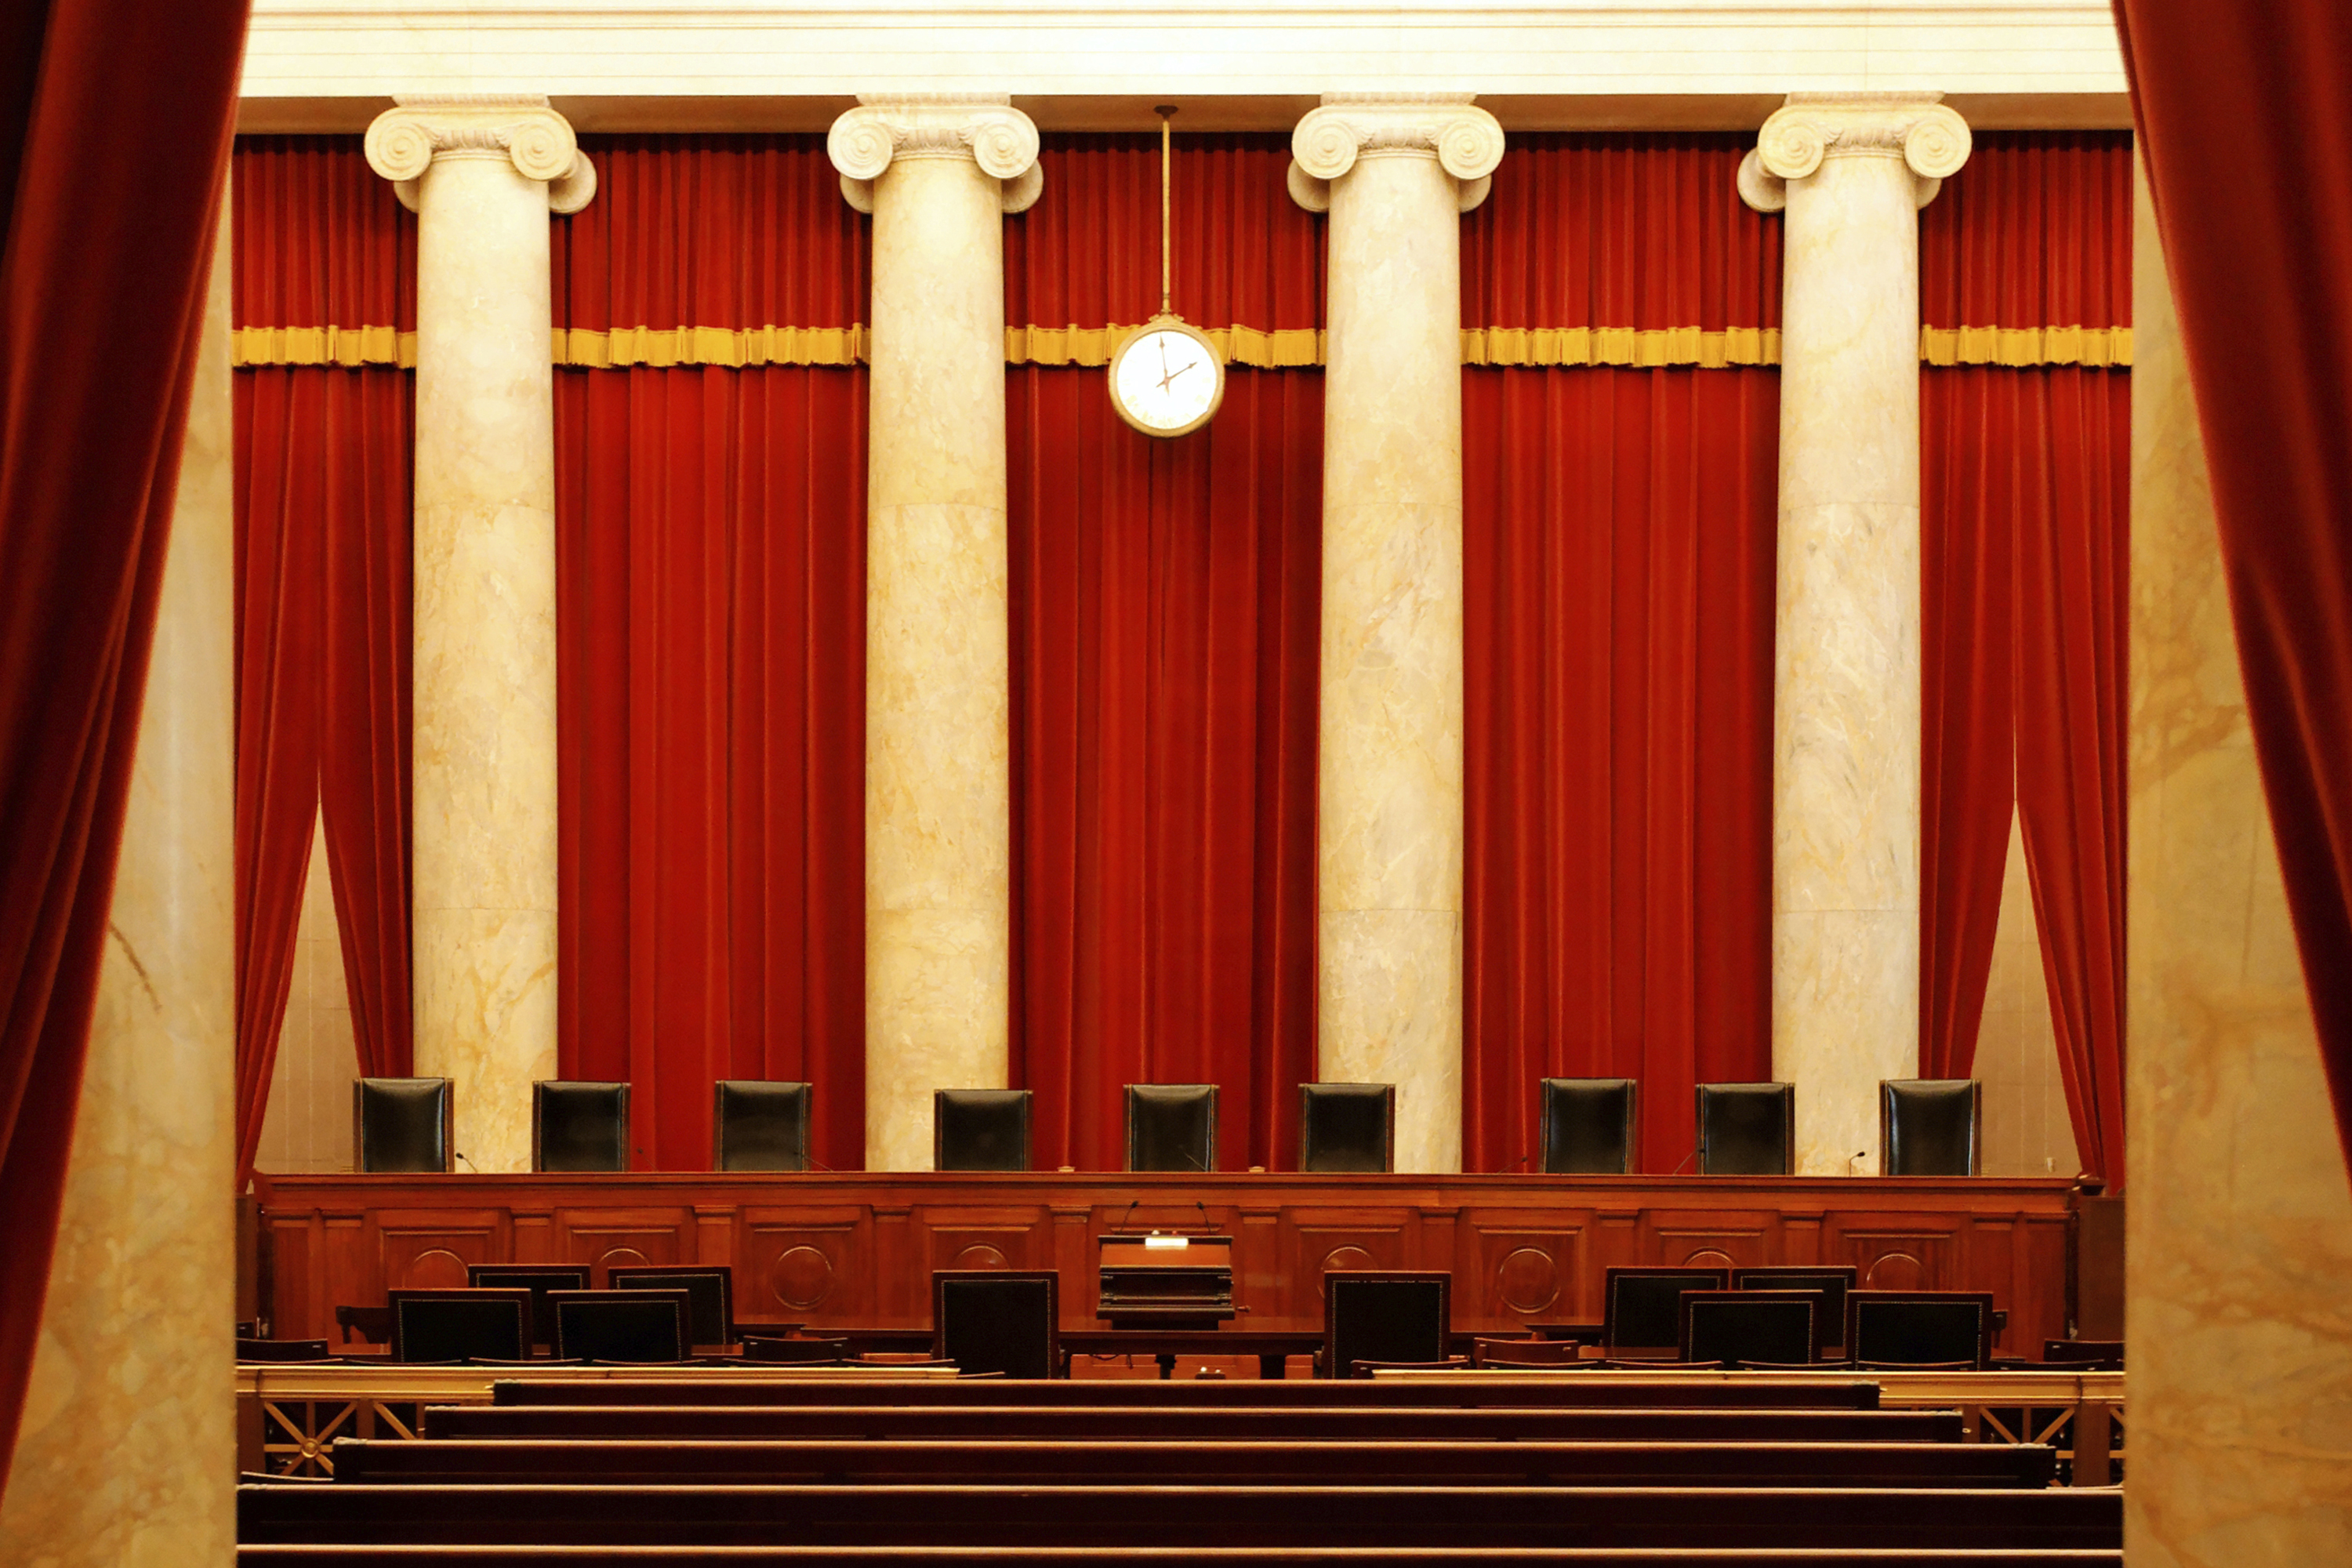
<point>1928,1127</point>
<point>980,1130</point>
<point>539,1279</point>
<point>622,1325</point>
<point>1344,1127</point>
<point>1748,1328</point>
<point>1391,1318</point>
<point>579,1126</point>
<point>1641,1309</point>
<point>1747,1128</point>
<point>401,1124</point>
<point>1171,1127</point>
<point>756,1125</point>
<point>1896,1329</point>
<point>1004,1321</point>
<point>709,1294</point>
<point>1832,1281</point>
<point>1588,1125</point>
<point>460,1325</point>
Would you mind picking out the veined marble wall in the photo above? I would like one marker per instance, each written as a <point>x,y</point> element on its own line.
<point>307,1125</point>
<point>2027,1131</point>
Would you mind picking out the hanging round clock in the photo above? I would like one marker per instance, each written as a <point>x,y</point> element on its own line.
<point>1168,378</point>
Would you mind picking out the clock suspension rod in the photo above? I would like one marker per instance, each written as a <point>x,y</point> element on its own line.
<point>1167,112</point>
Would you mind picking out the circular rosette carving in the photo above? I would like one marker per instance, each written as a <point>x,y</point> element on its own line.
<point>399,148</point>
<point>860,145</point>
<point>1308,191</point>
<point>1470,145</point>
<point>1790,146</point>
<point>1938,144</point>
<point>542,149</point>
<point>1325,146</point>
<point>1005,143</point>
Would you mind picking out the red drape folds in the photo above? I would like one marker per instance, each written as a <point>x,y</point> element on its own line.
<point>114,127</point>
<point>710,528</point>
<point>2244,109</point>
<point>1619,532</point>
<point>2026,485</point>
<point>323,458</point>
<point>1164,599</point>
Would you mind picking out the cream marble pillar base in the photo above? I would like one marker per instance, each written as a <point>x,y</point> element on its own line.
<point>481,174</point>
<point>126,1452</point>
<point>1852,170</point>
<point>939,176</point>
<point>1395,172</point>
<point>2239,1212</point>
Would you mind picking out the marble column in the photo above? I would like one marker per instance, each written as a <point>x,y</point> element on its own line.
<point>481,174</point>
<point>938,174</point>
<point>2239,1214</point>
<point>125,1455</point>
<point>1395,172</point>
<point>1852,170</point>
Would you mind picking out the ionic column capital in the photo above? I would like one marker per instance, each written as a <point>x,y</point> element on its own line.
<point>405,141</point>
<point>1448,127</point>
<point>1930,140</point>
<point>885,128</point>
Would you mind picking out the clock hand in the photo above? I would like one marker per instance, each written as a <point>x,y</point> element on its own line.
<point>1174,374</point>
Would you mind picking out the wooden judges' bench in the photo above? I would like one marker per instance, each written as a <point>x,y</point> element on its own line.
<point>857,1249</point>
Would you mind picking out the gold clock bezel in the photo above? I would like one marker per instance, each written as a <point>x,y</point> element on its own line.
<point>1166,324</point>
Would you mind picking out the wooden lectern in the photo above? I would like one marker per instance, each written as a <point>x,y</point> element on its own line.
<point>1166,1281</point>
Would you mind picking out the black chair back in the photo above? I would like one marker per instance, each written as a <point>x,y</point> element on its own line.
<point>997,1320</point>
<point>622,1325</point>
<point>579,1126</point>
<point>402,1124</point>
<point>1171,1127</point>
<point>1588,1125</point>
<point>980,1130</point>
<point>757,1125</point>
<point>1747,1128</point>
<point>1832,1279</point>
<point>709,1293</point>
<point>1737,1327</point>
<point>1642,1308</point>
<point>453,1325</point>
<point>1391,1318</point>
<point>1928,1127</point>
<point>1346,1127</point>
<point>1909,1328</point>
<point>539,1279</point>
<point>804,1353</point>
<point>249,1349</point>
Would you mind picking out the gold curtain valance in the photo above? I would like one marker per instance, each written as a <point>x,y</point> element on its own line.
<point>1256,347</point>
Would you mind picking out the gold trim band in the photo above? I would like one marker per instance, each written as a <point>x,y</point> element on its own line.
<point>1254,347</point>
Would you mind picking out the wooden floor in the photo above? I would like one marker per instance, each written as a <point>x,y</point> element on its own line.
<point>706,1468</point>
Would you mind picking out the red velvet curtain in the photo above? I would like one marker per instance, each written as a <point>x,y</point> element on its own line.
<point>323,459</point>
<point>2026,485</point>
<point>1164,603</point>
<point>1619,530</point>
<point>2244,109</point>
<point>114,127</point>
<point>710,546</point>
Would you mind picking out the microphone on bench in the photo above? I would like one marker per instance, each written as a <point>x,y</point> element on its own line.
<point>1128,1214</point>
<point>1514,1164</point>
<point>1688,1158</point>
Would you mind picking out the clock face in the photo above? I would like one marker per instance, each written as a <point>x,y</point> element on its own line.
<point>1167,379</point>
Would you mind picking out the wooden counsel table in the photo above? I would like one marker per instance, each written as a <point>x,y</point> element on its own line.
<point>857,1249</point>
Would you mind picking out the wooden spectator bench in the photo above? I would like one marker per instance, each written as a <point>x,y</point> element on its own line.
<point>1579,1389</point>
<point>1053,1557</point>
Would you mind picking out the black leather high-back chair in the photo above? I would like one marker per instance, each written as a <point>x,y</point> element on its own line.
<point>1346,1126</point>
<point>1741,1328</point>
<point>402,1123</point>
<point>1642,1308</point>
<point>1747,1128</point>
<point>1832,1281</point>
<point>1928,1126</point>
<point>997,1320</point>
<point>579,1126</point>
<point>460,1325</point>
<point>1588,1125</point>
<point>1171,1127</point>
<point>709,1295</point>
<point>539,1279</point>
<point>622,1325</point>
<point>980,1130</point>
<point>1385,1317</point>
<point>1919,1328</point>
<point>756,1125</point>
